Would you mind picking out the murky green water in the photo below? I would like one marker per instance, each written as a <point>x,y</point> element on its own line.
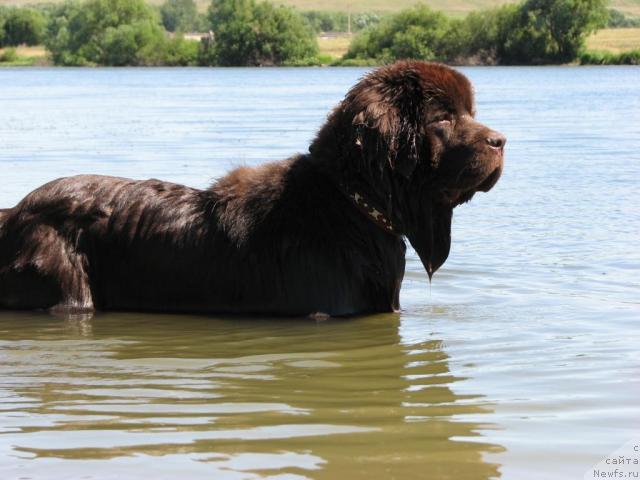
<point>521,361</point>
<point>185,397</point>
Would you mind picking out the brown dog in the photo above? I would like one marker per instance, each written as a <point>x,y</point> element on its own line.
<point>320,232</point>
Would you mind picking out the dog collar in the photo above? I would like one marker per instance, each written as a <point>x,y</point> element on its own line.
<point>372,212</point>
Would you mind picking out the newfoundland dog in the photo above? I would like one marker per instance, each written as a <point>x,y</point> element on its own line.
<point>319,232</point>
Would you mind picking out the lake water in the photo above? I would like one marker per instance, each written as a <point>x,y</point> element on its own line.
<point>520,361</point>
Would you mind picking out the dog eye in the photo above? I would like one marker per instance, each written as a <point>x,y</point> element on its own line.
<point>442,120</point>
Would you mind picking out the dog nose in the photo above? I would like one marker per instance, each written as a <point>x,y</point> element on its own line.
<point>496,140</point>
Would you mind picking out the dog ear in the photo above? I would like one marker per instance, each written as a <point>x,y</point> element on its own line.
<point>390,124</point>
<point>407,148</point>
<point>408,100</point>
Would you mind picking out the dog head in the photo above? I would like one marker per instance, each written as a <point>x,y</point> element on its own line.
<point>408,139</point>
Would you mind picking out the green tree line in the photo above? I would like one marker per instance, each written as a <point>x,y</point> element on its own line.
<point>130,32</point>
<point>531,32</point>
<point>254,32</point>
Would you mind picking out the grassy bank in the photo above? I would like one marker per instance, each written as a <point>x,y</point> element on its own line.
<point>602,57</point>
<point>23,56</point>
<point>334,46</point>
<point>612,46</point>
<point>331,49</point>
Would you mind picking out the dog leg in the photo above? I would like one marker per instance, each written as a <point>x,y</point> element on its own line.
<point>76,295</point>
<point>71,274</point>
<point>45,271</point>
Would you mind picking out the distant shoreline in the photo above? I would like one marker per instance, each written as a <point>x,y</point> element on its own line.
<point>605,47</point>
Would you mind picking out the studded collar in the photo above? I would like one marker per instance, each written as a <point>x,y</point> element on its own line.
<point>378,217</point>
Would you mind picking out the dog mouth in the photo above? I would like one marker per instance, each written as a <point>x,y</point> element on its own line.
<point>457,196</point>
<point>489,182</point>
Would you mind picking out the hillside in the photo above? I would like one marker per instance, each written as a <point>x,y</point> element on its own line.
<point>451,7</point>
<point>615,40</point>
